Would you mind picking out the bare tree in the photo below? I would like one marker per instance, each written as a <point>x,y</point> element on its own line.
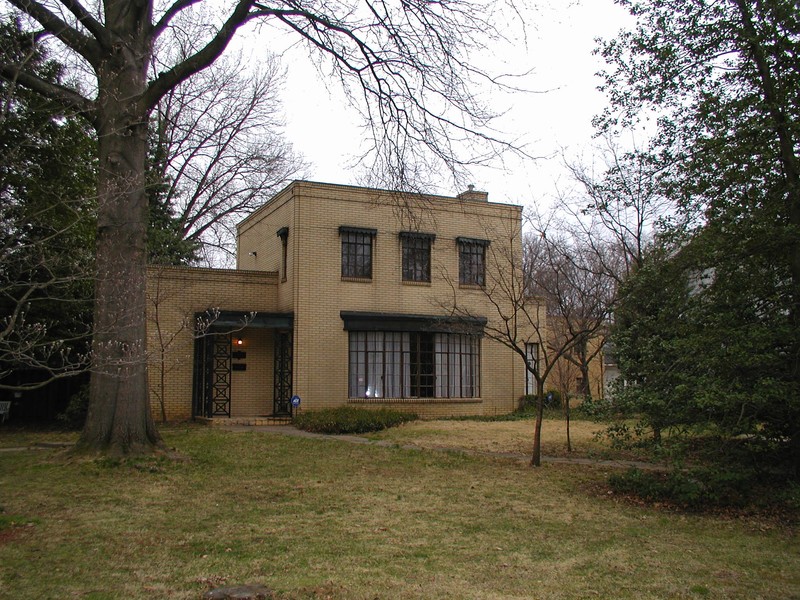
<point>33,337</point>
<point>565,272</point>
<point>217,137</point>
<point>406,62</point>
<point>565,372</point>
<point>576,278</point>
<point>520,286</point>
<point>619,203</point>
<point>593,239</point>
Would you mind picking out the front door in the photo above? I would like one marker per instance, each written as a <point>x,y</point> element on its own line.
<point>282,395</point>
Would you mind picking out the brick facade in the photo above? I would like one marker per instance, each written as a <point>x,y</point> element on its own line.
<point>308,285</point>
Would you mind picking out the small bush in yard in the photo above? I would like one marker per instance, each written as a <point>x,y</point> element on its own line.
<point>347,419</point>
<point>693,489</point>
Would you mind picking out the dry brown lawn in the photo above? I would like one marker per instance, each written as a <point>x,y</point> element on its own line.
<point>500,436</point>
<point>324,518</point>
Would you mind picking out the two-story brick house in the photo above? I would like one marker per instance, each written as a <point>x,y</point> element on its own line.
<point>342,295</point>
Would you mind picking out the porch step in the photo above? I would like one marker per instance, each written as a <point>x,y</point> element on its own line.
<point>246,421</point>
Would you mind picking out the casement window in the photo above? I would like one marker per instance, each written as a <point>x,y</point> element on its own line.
<point>472,261</point>
<point>283,233</point>
<point>416,250</point>
<point>532,358</point>
<point>413,364</point>
<point>357,245</point>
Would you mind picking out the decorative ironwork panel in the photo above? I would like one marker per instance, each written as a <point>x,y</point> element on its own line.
<point>218,396</point>
<point>282,399</point>
<point>200,376</point>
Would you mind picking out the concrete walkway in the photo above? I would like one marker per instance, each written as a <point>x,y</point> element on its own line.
<point>355,439</point>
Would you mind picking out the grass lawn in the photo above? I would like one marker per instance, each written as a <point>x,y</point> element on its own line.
<point>318,518</point>
<point>514,437</point>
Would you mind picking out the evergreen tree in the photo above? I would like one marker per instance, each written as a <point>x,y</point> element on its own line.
<point>47,183</point>
<point>709,331</point>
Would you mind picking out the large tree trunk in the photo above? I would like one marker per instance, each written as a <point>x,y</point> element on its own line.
<point>119,419</point>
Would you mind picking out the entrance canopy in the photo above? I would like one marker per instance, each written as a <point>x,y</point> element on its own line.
<point>231,320</point>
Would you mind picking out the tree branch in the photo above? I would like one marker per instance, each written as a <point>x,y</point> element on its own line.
<point>198,61</point>
<point>69,99</point>
<point>83,45</point>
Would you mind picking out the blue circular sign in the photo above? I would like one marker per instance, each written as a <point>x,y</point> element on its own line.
<point>295,401</point>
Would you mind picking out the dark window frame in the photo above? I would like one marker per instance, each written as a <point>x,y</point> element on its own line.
<point>283,233</point>
<point>357,252</point>
<point>416,256</point>
<point>418,364</point>
<point>472,261</point>
<point>532,356</point>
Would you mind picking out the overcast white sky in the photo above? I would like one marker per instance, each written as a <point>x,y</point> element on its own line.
<point>559,50</point>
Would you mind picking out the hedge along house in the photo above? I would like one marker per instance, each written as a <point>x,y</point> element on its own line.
<point>342,295</point>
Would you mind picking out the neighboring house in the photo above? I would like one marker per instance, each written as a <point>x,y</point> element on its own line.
<point>610,367</point>
<point>566,376</point>
<point>342,296</point>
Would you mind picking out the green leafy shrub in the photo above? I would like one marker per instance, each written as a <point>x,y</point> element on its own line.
<point>348,419</point>
<point>597,408</point>
<point>693,489</point>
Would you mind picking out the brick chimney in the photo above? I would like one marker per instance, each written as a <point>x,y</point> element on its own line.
<point>473,196</point>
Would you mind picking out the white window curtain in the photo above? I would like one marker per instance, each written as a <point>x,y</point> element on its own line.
<point>532,357</point>
<point>374,364</point>
<point>397,381</point>
<point>380,365</point>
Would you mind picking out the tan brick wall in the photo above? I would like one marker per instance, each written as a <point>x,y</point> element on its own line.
<point>321,344</point>
<point>251,390</point>
<point>316,294</point>
<point>259,248</point>
<point>175,295</point>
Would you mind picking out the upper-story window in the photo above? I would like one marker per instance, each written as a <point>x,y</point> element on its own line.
<point>357,251</point>
<point>472,261</point>
<point>283,233</point>
<point>416,255</point>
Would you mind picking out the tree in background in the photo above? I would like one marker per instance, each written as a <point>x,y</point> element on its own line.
<point>405,62</point>
<point>618,210</point>
<point>567,274</point>
<point>722,81</point>
<point>535,287</point>
<point>222,155</point>
<point>47,173</point>
<point>166,243</point>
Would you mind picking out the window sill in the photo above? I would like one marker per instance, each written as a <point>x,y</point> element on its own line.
<point>470,286</point>
<point>416,283</point>
<point>414,400</point>
<point>358,279</point>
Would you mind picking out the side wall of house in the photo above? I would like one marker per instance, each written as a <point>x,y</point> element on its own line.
<point>175,295</point>
<point>565,376</point>
<point>259,248</point>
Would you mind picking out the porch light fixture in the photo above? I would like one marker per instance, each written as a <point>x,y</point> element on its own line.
<point>238,341</point>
